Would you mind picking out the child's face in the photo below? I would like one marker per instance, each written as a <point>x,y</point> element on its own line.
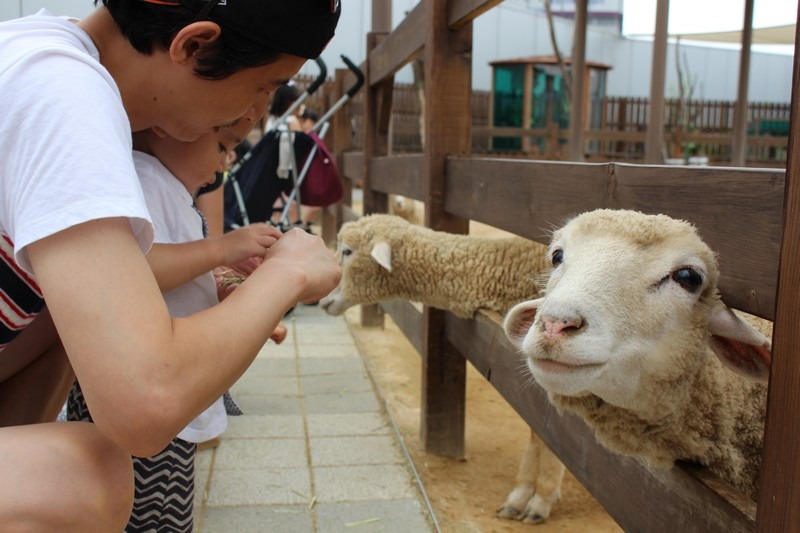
<point>195,163</point>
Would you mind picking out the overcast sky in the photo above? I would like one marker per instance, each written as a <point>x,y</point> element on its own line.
<point>694,16</point>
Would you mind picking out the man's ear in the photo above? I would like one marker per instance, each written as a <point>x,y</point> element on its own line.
<point>191,38</point>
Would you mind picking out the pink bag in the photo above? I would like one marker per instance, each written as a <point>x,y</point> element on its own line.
<point>322,185</point>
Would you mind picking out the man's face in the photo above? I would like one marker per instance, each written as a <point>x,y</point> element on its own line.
<point>204,106</point>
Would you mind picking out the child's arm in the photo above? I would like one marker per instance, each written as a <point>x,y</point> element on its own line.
<point>279,335</point>
<point>176,264</point>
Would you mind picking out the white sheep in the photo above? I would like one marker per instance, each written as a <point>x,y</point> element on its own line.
<point>384,257</point>
<point>407,208</point>
<point>626,337</point>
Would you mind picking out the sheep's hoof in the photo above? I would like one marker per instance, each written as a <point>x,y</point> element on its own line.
<point>507,511</point>
<point>538,508</point>
<point>534,519</point>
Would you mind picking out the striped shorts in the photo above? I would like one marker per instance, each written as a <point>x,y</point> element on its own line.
<point>164,490</point>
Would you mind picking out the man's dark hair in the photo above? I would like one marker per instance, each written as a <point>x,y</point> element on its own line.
<point>150,27</point>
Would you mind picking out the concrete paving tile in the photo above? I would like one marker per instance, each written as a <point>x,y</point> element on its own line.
<point>314,338</point>
<point>277,519</point>
<point>304,314</point>
<point>259,487</point>
<point>265,404</point>
<point>329,350</point>
<point>386,516</point>
<point>201,478</point>
<point>354,483</point>
<point>245,454</point>
<point>310,366</point>
<point>202,459</point>
<point>336,383</point>
<point>360,450</point>
<point>285,350</point>
<point>264,426</point>
<point>337,425</point>
<point>255,384</point>
<point>346,402</point>
<point>323,334</point>
<point>273,367</point>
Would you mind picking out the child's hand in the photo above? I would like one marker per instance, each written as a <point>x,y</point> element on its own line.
<point>279,335</point>
<point>226,280</point>
<point>246,267</point>
<point>248,241</point>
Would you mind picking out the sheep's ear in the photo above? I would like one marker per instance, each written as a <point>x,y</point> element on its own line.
<point>382,253</point>
<point>740,347</point>
<point>519,320</point>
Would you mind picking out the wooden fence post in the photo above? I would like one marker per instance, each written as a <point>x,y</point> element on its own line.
<point>340,139</point>
<point>779,491</point>
<point>377,109</point>
<point>448,125</point>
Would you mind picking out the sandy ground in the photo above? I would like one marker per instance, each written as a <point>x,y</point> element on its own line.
<point>466,493</point>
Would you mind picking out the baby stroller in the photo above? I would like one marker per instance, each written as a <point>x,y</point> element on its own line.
<point>278,166</point>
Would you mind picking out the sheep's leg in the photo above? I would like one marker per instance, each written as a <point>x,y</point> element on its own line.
<point>538,484</point>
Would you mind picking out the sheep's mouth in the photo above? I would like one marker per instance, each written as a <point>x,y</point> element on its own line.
<point>560,366</point>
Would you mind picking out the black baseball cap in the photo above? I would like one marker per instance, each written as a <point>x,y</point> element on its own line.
<point>298,27</point>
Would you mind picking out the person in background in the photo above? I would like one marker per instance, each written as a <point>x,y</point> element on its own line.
<point>75,229</point>
<point>282,100</point>
<point>308,118</point>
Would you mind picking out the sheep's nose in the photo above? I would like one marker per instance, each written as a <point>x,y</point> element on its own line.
<point>554,327</point>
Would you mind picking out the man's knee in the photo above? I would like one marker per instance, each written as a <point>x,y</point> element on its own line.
<point>63,476</point>
<point>109,482</point>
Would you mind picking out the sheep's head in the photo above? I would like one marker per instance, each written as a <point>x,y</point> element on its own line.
<point>365,255</point>
<point>632,298</point>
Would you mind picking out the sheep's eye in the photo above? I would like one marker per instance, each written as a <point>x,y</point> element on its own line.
<point>346,251</point>
<point>688,278</point>
<point>557,257</point>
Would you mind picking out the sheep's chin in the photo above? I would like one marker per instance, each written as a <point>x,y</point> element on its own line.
<point>335,304</point>
<point>564,378</point>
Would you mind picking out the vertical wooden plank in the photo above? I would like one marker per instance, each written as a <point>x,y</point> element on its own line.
<point>375,145</point>
<point>448,88</point>
<point>655,126</point>
<point>527,106</point>
<point>491,124</point>
<point>339,139</point>
<point>779,496</point>
<point>740,111</point>
<point>382,15</point>
<point>578,103</point>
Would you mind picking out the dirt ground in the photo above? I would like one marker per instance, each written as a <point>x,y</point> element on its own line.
<point>465,494</point>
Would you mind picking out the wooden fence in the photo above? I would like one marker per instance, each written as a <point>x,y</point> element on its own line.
<point>692,128</point>
<point>739,212</point>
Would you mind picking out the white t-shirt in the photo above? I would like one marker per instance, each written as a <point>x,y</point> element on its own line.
<point>65,135</point>
<point>176,221</point>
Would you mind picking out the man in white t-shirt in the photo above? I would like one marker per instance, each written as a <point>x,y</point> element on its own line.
<point>74,225</point>
<point>182,258</point>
